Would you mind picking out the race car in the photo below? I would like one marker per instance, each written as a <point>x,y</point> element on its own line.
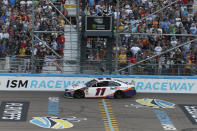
<point>101,88</point>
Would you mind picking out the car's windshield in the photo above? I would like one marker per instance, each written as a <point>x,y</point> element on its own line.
<point>89,83</point>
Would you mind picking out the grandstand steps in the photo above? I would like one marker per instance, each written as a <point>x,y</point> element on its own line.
<point>70,2</point>
<point>71,50</point>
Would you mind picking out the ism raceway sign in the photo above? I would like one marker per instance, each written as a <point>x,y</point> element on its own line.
<point>61,83</point>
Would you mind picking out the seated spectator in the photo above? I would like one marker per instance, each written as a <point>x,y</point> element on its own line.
<point>135,49</point>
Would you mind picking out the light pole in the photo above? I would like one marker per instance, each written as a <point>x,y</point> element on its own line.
<point>117,34</point>
<point>32,40</point>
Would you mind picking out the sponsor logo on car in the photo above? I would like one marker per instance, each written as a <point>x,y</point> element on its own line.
<point>116,88</point>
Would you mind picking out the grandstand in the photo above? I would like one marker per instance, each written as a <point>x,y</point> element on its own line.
<point>149,37</point>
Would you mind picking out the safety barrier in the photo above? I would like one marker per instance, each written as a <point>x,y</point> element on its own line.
<point>58,82</point>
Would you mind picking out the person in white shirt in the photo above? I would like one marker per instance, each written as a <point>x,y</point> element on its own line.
<point>29,3</point>
<point>173,42</point>
<point>6,35</point>
<point>22,2</point>
<point>193,28</point>
<point>54,45</point>
<point>5,2</point>
<point>135,49</point>
<point>158,49</point>
<point>1,36</point>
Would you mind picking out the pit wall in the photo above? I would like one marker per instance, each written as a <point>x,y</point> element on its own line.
<point>59,82</point>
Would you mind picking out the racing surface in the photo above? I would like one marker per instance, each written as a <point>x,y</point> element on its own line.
<point>43,111</point>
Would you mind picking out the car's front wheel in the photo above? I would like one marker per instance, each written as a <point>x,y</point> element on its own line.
<point>119,94</point>
<point>79,94</point>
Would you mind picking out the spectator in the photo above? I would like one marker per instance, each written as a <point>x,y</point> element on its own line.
<point>173,42</point>
<point>158,49</point>
<point>16,26</point>
<point>175,19</point>
<point>122,60</point>
<point>135,50</point>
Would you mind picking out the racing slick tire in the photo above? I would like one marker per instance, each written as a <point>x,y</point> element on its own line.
<point>79,94</point>
<point>119,94</point>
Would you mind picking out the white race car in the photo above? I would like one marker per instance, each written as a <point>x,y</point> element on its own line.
<point>101,88</point>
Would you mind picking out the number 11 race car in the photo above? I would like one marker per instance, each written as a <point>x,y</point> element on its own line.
<point>101,88</point>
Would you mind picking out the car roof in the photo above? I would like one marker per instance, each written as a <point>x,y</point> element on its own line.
<point>110,79</point>
<point>104,79</point>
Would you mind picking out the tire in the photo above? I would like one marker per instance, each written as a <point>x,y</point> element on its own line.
<point>79,94</point>
<point>119,94</point>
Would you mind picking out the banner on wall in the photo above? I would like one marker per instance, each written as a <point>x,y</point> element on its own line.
<point>12,83</point>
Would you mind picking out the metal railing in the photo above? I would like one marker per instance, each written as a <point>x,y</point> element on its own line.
<point>146,68</point>
<point>52,65</point>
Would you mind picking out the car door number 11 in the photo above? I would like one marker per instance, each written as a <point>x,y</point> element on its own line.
<point>100,91</point>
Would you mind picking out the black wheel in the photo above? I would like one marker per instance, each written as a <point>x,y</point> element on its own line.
<point>119,94</point>
<point>79,94</point>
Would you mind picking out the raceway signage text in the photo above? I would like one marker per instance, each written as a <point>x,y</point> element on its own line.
<point>60,83</point>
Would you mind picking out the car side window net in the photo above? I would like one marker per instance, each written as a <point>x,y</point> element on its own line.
<point>101,84</point>
<point>111,83</point>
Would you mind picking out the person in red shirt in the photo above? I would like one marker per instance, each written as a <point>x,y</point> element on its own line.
<point>65,12</point>
<point>61,41</point>
<point>23,44</point>
<point>132,61</point>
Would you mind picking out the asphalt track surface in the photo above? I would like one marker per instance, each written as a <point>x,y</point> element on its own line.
<point>100,114</point>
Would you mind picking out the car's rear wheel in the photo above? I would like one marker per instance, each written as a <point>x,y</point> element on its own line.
<point>119,94</point>
<point>79,94</point>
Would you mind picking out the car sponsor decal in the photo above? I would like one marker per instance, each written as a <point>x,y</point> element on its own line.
<point>86,91</point>
<point>53,105</point>
<point>152,103</point>
<point>190,111</point>
<point>115,88</point>
<point>164,120</point>
<point>55,122</point>
<point>13,111</point>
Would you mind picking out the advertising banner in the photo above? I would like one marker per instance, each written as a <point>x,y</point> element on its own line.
<point>27,83</point>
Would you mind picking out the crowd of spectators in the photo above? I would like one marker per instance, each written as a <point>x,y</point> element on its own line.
<point>134,17</point>
<point>16,23</point>
<point>138,16</point>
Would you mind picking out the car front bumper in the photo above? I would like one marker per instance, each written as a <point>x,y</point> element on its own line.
<point>68,94</point>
